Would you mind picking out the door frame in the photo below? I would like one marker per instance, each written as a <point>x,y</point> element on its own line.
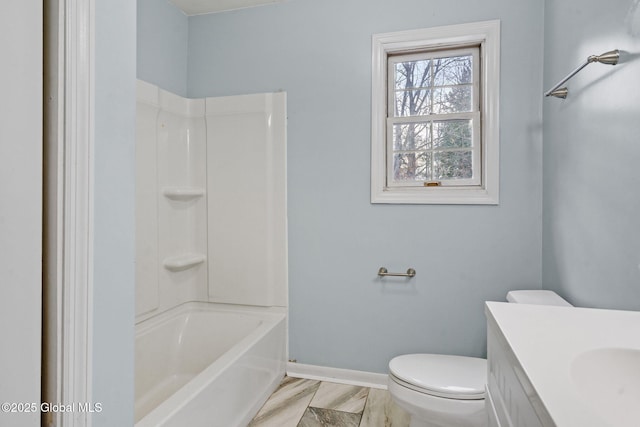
<point>68,218</point>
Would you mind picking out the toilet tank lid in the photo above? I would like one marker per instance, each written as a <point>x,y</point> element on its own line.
<point>537,297</point>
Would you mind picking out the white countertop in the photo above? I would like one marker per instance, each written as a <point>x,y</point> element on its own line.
<point>547,339</point>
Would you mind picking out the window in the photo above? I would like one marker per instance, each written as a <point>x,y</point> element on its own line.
<point>433,119</point>
<point>435,132</point>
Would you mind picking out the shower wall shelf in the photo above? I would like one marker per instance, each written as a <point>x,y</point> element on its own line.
<point>183,262</point>
<point>183,193</point>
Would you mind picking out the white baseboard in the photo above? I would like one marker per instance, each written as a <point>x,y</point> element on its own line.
<point>337,375</point>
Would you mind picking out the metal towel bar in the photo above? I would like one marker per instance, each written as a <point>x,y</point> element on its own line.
<point>611,58</point>
<point>383,272</point>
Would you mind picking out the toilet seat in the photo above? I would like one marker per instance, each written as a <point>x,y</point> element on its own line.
<point>452,377</point>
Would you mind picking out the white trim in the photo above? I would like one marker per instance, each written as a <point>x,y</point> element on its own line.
<point>74,335</point>
<point>337,375</point>
<point>488,35</point>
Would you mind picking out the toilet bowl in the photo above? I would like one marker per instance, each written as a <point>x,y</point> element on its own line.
<point>440,390</point>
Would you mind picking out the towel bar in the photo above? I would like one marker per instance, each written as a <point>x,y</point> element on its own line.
<point>383,272</point>
<point>611,58</point>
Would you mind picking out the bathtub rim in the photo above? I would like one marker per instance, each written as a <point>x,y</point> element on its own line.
<point>153,318</point>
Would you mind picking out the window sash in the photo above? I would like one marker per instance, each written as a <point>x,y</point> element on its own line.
<point>394,59</point>
<point>473,116</point>
<point>476,150</point>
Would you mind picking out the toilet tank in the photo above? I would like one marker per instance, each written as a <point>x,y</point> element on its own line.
<point>537,297</point>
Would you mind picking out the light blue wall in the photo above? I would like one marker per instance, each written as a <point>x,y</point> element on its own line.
<point>114,277</point>
<point>162,45</point>
<point>591,156</point>
<point>320,53</point>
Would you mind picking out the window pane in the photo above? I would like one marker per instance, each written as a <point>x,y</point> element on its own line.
<point>411,166</point>
<point>413,74</point>
<point>452,71</point>
<point>412,102</point>
<point>453,165</point>
<point>411,136</point>
<point>452,100</point>
<point>452,134</point>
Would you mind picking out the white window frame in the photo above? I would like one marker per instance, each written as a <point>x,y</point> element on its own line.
<point>487,36</point>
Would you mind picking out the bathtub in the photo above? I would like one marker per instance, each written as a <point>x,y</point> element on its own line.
<point>202,364</point>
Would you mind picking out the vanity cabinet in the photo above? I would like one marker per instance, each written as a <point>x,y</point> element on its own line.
<point>511,399</point>
<point>558,366</point>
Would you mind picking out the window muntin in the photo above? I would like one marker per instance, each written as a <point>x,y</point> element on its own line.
<point>433,118</point>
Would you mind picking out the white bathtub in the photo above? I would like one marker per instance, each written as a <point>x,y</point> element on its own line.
<point>203,364</point>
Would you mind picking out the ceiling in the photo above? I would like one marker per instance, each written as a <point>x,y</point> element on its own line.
<point>198,7</point>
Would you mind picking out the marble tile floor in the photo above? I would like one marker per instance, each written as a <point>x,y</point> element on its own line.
<point>310,403</point>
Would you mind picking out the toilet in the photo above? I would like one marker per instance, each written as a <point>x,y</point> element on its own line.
<point>440,390</point>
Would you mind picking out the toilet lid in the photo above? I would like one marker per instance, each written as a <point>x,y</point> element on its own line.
<point>455,377</point>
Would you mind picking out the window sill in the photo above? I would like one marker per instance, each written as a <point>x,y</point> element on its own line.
<point>435,196</point>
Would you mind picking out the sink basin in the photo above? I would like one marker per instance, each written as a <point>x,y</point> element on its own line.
<point>609,381</point>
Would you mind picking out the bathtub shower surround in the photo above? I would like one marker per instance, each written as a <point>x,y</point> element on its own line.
<point>211,200</point>
<point>210,236</point>
<point>246,181</point>
<point>171,200</point>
